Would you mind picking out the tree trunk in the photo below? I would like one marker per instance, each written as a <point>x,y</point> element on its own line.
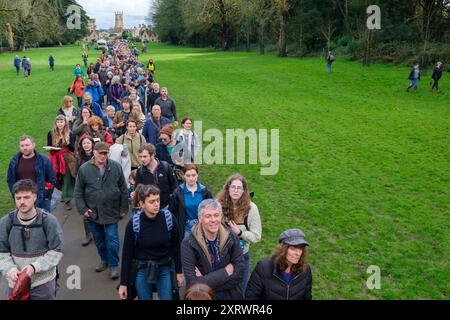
<point>224,25</point>
<point>282,52</point>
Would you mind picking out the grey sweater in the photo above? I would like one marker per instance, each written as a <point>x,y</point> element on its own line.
<point>43,249</point>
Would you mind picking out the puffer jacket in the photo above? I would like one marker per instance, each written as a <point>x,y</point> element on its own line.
<point>266,283</point>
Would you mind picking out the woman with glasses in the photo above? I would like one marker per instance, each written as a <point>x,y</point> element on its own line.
<point>241,215</point>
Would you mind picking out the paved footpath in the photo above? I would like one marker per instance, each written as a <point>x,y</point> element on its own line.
<point>94,286</point>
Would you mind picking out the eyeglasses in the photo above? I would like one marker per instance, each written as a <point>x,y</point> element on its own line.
<point>238,188</point>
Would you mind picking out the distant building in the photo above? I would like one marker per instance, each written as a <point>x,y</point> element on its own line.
<point>118,26</point>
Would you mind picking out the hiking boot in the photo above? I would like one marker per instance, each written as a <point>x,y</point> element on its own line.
<point>114,273</point>
<point>101,267</point>
<point>86,240</point>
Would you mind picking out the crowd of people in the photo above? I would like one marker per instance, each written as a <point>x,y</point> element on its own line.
<point>119,153</point>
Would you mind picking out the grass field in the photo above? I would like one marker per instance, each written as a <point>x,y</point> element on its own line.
<point>364,166</point>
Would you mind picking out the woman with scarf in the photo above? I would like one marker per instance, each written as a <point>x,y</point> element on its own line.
<point>62,157</point>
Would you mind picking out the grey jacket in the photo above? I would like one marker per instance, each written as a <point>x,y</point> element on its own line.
<point>43,248</point>
<point>106,196</point>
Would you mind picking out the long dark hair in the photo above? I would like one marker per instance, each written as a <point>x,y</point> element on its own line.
<point>279,257</point>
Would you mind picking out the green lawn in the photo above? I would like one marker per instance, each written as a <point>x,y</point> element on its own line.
<point>364,166</point>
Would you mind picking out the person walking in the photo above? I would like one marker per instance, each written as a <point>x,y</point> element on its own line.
<point>31,242</point>
<point>101,196</point>
<point>414,78</point>
<point>17,64</point>
<point>436,76</point>
<point>330,60</point>
<point>51,62</point>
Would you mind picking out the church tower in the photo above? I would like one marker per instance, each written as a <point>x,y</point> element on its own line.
<point>118,27</point>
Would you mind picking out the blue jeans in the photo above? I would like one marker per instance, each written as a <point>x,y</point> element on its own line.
<point>329,67</point>
<point>106,238</point>
<point>414,84</point>
<point>45,204</point>
<point>18,70</point>
<point>246,272</point>
<point>188,227</point>
<point>163,286</point>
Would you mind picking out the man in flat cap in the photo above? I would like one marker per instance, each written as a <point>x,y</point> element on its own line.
<point>101,195</point>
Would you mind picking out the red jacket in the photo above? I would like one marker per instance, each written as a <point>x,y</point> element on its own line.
<point>78,87</point>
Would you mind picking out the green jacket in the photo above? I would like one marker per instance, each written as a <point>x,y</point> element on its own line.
<point>106,196</point>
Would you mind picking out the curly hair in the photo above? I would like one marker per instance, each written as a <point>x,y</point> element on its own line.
<point>279,257</point>
<point>242,206</point>
<point>94,120</point>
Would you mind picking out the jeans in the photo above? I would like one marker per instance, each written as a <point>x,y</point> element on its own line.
<point>45,204</point>
<point>414,83</point>
<point>188,227</point>
<point>246,272</point>
<point>18,70</point>
<point>329,67</point>
<point>163,286</point>
<point>106,238</point>
<point>80,102</point>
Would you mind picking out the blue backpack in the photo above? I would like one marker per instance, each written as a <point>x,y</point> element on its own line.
<point>137,225</point>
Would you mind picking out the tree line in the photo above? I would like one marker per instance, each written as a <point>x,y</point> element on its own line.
<point>33,23</point>
<point>411,30</point>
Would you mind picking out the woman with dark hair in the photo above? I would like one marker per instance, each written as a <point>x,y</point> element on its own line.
<point>189,137</point>
<point>95,125</point>
<point>80,126</point>
<point>84,154</point>
<point>241,215</point>
<point>91,69</point>
<point>62,144</point>
<point>151,251</point>
<point>185,199</point>
<point>286,275</point>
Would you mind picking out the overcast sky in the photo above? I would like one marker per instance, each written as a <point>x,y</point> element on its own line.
<point>134,11</point>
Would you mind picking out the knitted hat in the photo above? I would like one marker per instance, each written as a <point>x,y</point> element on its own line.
<point>167,129</point>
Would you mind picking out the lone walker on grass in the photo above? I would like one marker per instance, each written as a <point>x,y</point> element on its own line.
<point>414,78</point>
<point>330,60</point>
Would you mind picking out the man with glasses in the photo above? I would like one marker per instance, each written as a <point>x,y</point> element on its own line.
<point>101,195</point>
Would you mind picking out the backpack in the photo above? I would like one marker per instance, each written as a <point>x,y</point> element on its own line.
<point>43,226</point>
<point>136,219</point>
<point>18,225</point>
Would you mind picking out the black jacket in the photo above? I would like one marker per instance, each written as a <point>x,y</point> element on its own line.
<point>164,178</point>
<point>266,283</point>
<point>176,205</point>
<point>194,253</point>
<point>437,73</point>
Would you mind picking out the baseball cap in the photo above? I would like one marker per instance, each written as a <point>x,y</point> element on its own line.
<point>293,237</point>
<point>101,146</point>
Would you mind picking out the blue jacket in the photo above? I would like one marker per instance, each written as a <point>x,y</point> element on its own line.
<point>44,173</point>
<point>96,91</point>
<point>151,131</point>
<point>17,62</point>
<point>51,60</point>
